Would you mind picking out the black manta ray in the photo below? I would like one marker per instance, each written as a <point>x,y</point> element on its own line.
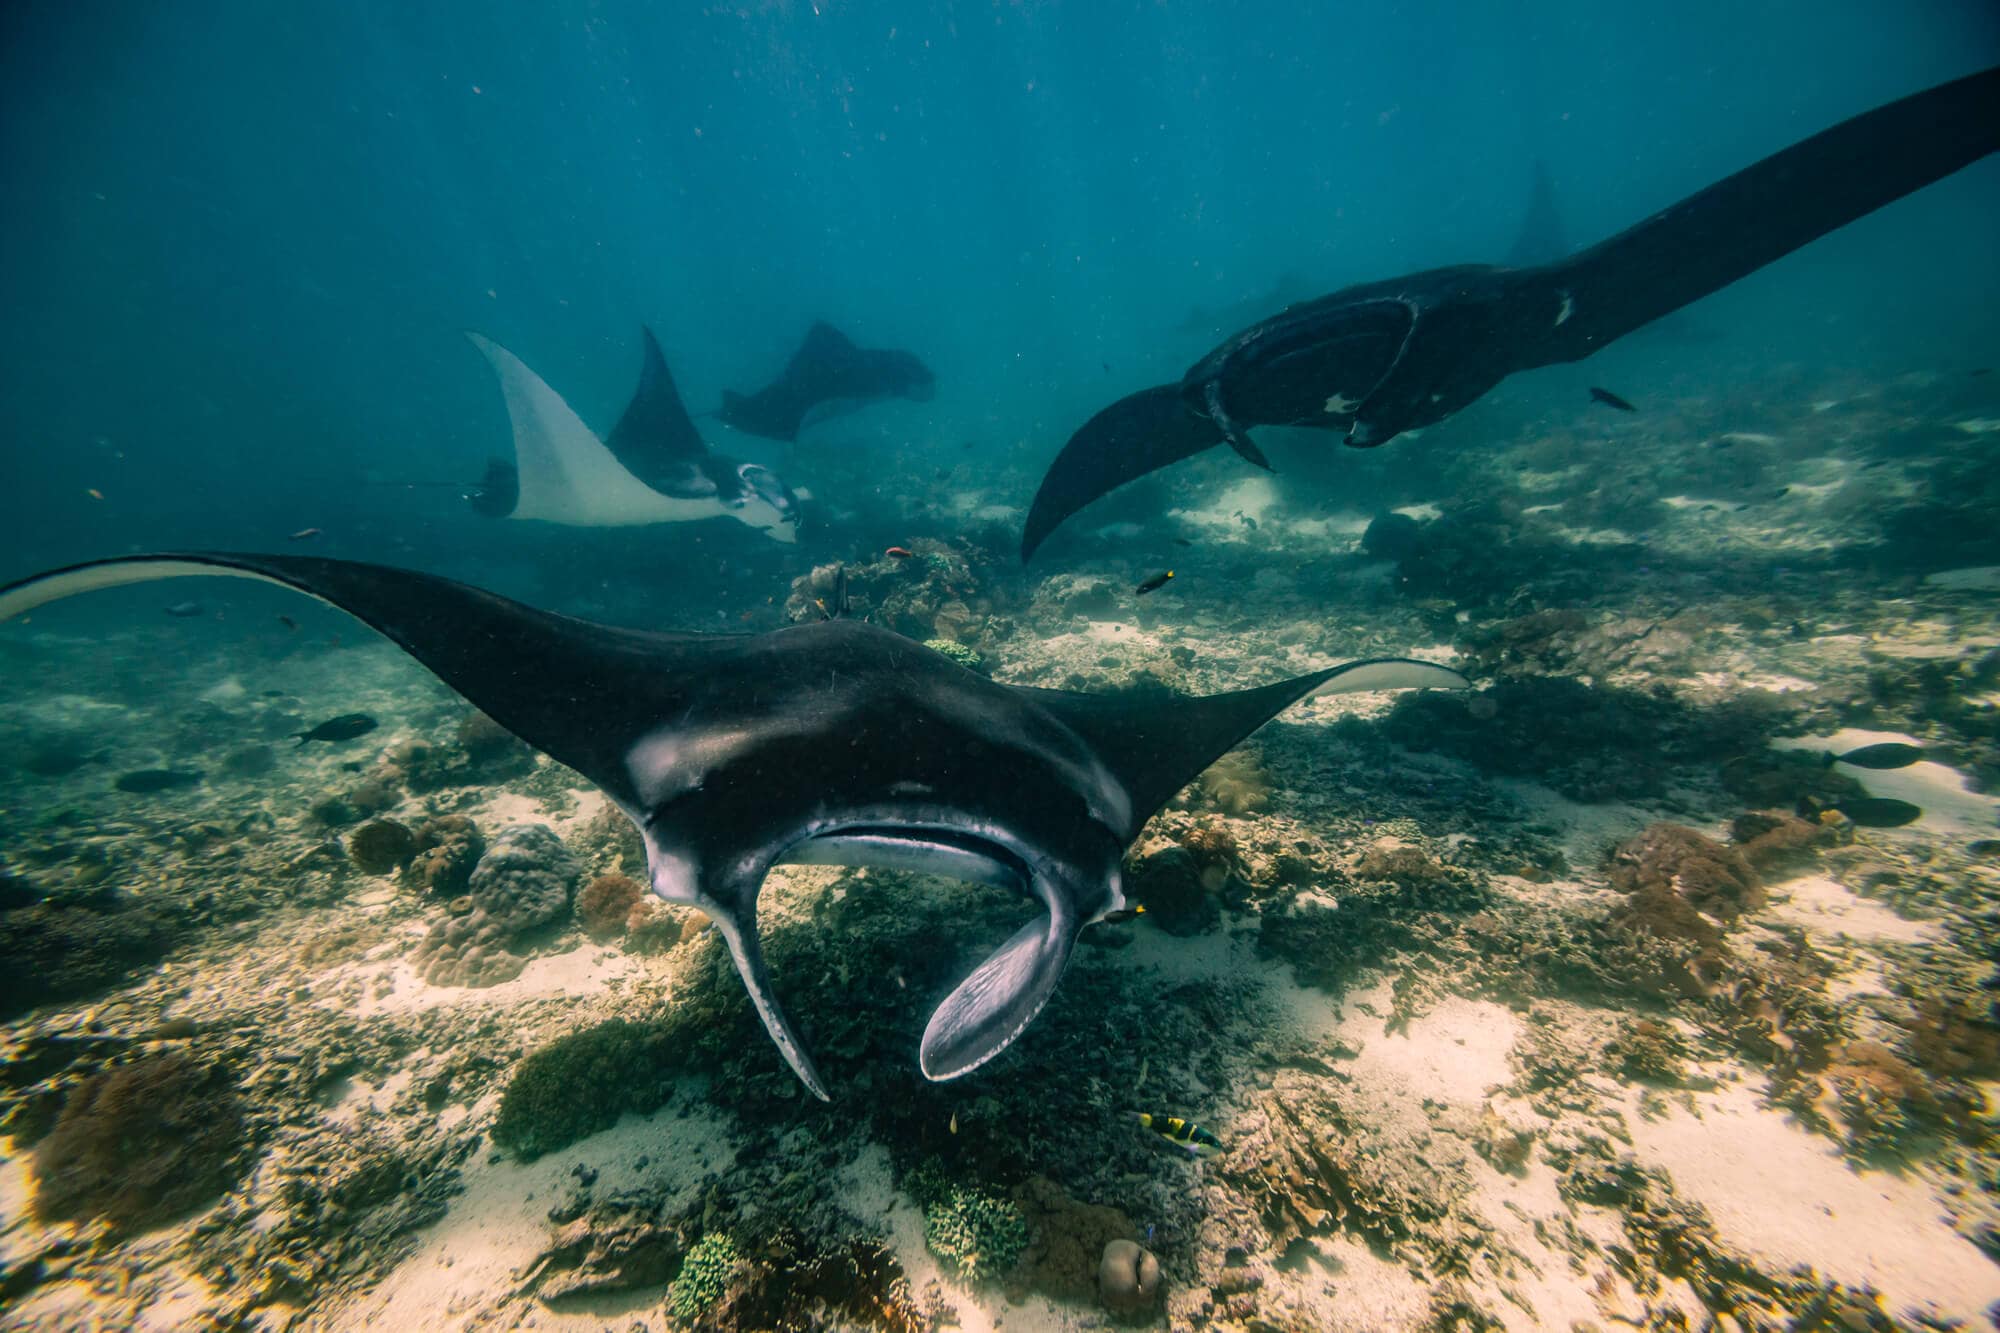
<point>826,375</point>
<point>835,743</point>
<point>654,467</point>
<point>1381,358</point>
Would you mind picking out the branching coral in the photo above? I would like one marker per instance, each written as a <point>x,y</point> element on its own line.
<point>974,1232</point>
<point>957,652</point>
<point>704,1277</point>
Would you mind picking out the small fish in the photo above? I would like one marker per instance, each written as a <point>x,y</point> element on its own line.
<point>148,780</point>
<point>184,610</point>
<point>899,553</point>
<point>94,493</point>
<point>1153,584</point>
<point>289,623</point>
<point>343,728</point>
<point>1887,755</point>
<point>1182,541</point>
<point>1610,399</point>
<point>954,1122</point>
<point>304,535</point>
<point>1189,1137</point>
<point>1867,811</point>
<point>1123,914</point>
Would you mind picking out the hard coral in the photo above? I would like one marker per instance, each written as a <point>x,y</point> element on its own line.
<point>704,1277</point>
<point>580,1084</point>
<point>604,905</point>
<point>448,847</point>
<point>1713,879</point>
<point>522,883</point>
<point>978,1235</point>
<point>1237,784</point>
<point>957,652</point>
<point>141,1143</point>
<point>381,846</point>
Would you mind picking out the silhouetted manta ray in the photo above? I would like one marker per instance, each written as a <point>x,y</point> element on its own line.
<point>1380,358</point>
<point>654,467</point>
<point>827,371</point>
<point>836,743</point>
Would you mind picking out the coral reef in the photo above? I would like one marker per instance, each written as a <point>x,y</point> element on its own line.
<point>521,883</point>
<point>1668,862</point>
<point>1062,1260</point>
<point>381,847</point>
<point>957,652</point>
<point>1237,784</point>
<point>978,1235</point>
<point>704,1276</point>
<point>604,906</point>
<point>447,849</point>
<point>581,1083</point>
<point>142,1143</point>
<point>51,951</point>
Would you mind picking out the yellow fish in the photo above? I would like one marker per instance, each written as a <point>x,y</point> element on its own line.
<point>1186,1135</point>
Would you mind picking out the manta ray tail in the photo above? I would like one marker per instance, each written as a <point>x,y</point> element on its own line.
<point>1135,435</point>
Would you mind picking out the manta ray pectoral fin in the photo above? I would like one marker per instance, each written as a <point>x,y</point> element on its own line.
<point>996,1003</point>
<point>740,933</point>
<point>1232,434</point>
<point>1138,434</point>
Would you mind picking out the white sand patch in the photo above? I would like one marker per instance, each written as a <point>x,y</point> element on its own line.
<point>1367,1293</point>
<point>470,1263</point>
<point>1787,1196</point>
<point>1252,498</point>
<point>392,986</point>
<point>1588,831</point>
<point>1820,905</point>
<point>1451,1055</point>
<point>361,1096</point>
<point>1949,805</point>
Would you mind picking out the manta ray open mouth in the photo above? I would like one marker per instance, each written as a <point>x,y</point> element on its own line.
<point>937,850</point>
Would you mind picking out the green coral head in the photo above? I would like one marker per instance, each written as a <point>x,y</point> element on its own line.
<point>957,652</point>
<point>975,1233</point>
<point>704,1277</point>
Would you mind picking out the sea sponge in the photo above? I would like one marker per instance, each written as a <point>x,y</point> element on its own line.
<point>448,848</point>
<point>975,1233</point>
<point>141,1144</point>
<point>523,882</point>
<point>381,846</point>
<point>1128,1277</point>
<point>704,1277</point>
<point>605,905</point>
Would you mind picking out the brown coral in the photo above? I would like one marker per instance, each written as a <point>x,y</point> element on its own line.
<point>605,905</point>
<point>448,847</point>
<point>141,1143</point>
<point>381,846</point>
<point>1713,879</point>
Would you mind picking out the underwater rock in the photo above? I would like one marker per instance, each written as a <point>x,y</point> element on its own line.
<point>1392,536</point>
<point>381,847</point>
<point>607,843</point>
<point>1087,595</point>
<point>1773,841</point>
<point>1128,1278</point>
<point>1782,779</point>
<point>523,882</point>
<point>18,891</point>
<point>604,906</point>
<point>141,1143</point>
<point>448,848</point>
<point>619,1244</point>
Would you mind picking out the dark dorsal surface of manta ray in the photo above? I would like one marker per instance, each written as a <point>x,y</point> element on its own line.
<point>835,743</point>
<point>1377,359</point>
<point>827,375</point>
<point>654,467</point>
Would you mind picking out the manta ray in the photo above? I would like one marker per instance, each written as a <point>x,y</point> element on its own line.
<point>654,467</point>
<point>834,743</point>
<point>827,375</point>
<point>1377,359</point>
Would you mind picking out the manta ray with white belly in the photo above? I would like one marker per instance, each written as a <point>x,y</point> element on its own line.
<point>834,743</point>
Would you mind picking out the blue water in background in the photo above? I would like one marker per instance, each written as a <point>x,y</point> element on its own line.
<point>239,240</point>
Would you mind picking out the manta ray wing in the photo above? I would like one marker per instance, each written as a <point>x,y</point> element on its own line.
<point>566,474</point>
